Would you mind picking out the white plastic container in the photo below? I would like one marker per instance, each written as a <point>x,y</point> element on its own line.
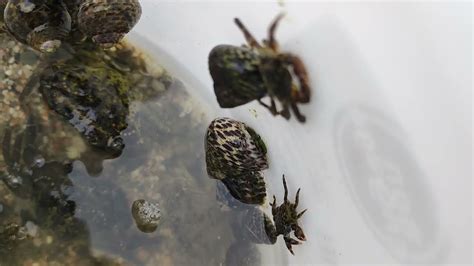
<point>384,160</point>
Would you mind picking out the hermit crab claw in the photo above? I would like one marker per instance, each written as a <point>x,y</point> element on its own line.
<point>298,232</point>
<point>290,242</point>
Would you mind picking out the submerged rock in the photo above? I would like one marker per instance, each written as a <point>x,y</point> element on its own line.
<point>147,215</point>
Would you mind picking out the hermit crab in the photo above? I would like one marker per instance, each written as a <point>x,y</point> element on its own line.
<point>253,71</point>
<point>46,24</point>
<point>250,224</point>
<point>236,155</point>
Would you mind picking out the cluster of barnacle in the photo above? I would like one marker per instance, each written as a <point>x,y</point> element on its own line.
<point>45,24</point>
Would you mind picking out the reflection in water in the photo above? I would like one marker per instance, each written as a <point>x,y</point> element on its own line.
<point>235,155</point>
<point>387,185</point>
<point>53,211</point>
<point>90,100</point>
<point>44,187</point>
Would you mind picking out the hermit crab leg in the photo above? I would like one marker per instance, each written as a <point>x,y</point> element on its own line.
<point>289,242</point>
<point>248,36</point>
<point>286,190</point>
<point>302,95</point>
<point>272,42</point>
<point>298,115</point>
<point>298,232</point>
<point>271,107</point>
<point>297,198</point>
<point>301,213</point>
<point>285,112</point>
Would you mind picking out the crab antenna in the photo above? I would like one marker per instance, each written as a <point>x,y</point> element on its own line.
<point>286,189</point>
<point>248,36</point>
<point>297,199</point>
<point>301,213</point>
<point>271,31</point>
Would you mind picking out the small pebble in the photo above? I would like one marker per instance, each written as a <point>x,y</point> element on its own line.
<point>146,214</point>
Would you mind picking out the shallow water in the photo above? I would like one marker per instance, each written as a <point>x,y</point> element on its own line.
<point>77,210</point>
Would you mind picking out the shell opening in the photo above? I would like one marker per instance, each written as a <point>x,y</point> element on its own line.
<point>107,40</point>
<point>50,46</point>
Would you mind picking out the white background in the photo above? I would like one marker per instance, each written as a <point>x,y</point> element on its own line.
<point>392,87</point>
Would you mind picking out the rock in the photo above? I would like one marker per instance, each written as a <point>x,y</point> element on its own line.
<point>146,214</point>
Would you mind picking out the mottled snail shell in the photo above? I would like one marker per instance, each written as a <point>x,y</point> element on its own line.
<point>233,148</point>
<point>107,21</point>
<point>235,154</point>
<point>41,24</point>
<point>236,74</point>
<point>248,187</point>
<point>239,191</point>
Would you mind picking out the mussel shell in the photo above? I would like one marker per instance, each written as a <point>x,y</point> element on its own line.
<point>107,21</point>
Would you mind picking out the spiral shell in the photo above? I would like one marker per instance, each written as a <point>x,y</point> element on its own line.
<point>107,21</point>
<point>42,24</point>
<point>233,148</point>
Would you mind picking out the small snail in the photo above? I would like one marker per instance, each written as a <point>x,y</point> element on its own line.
<point>42,24</point>
<point>107,21</point>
